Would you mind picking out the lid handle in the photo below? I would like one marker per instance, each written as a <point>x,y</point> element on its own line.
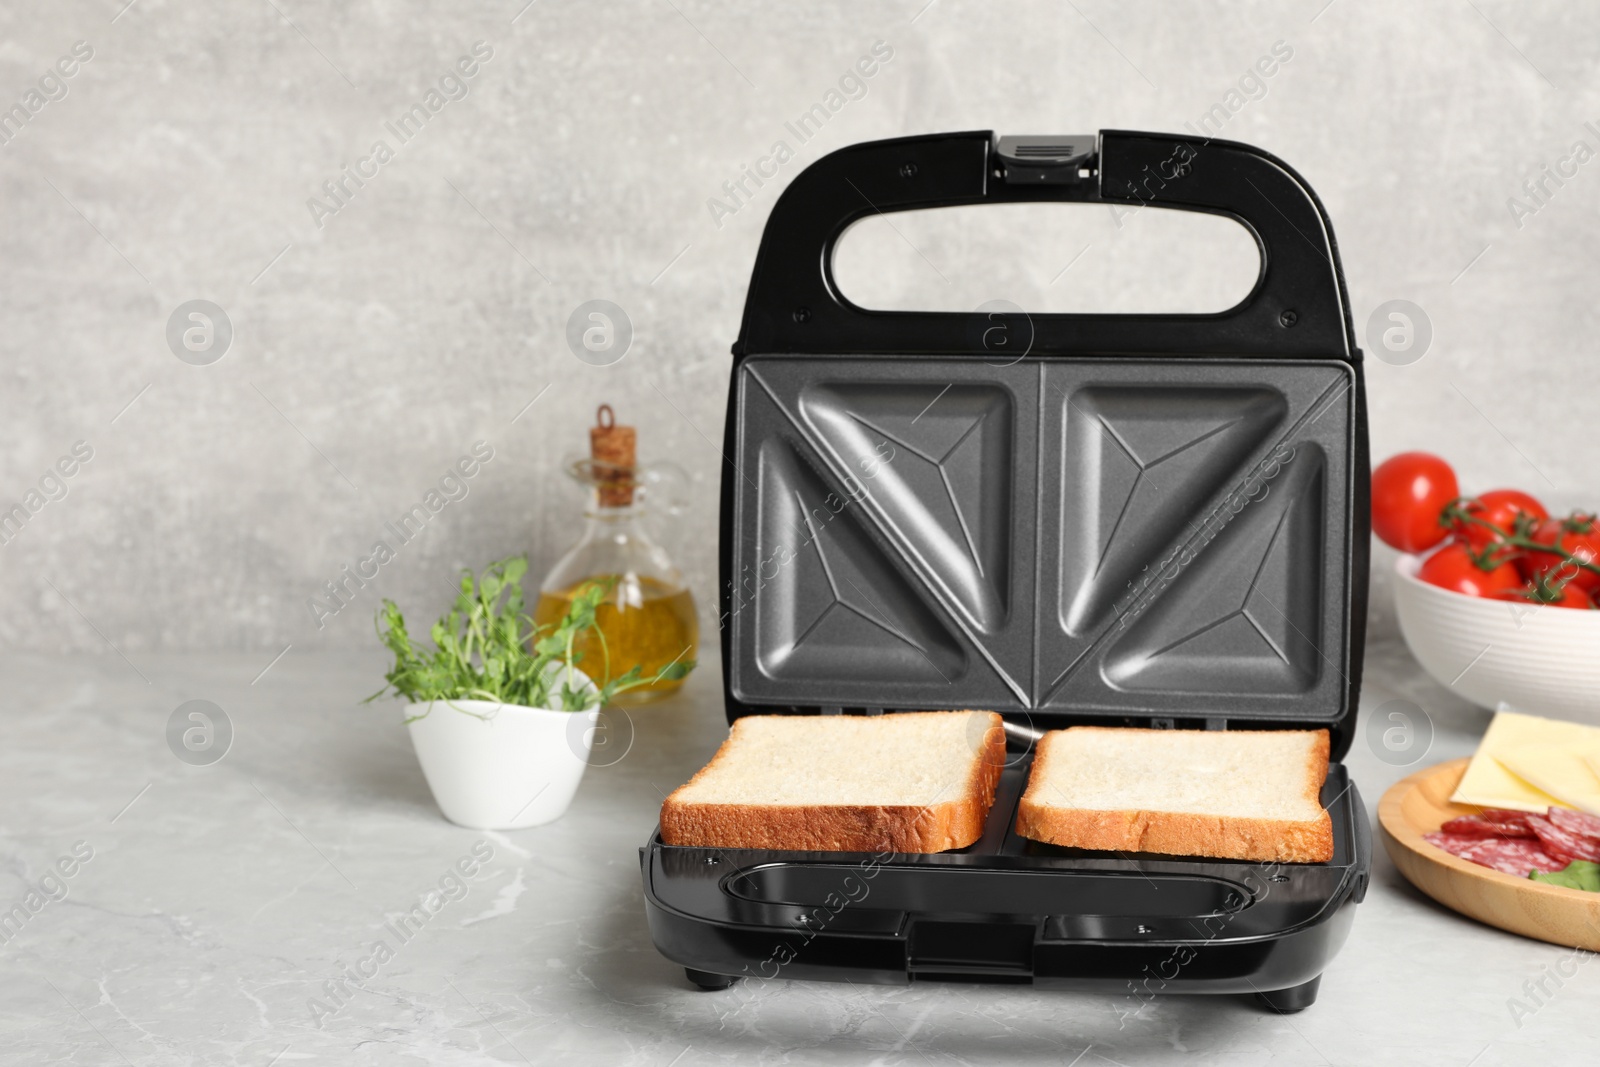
<point>1298,308</point>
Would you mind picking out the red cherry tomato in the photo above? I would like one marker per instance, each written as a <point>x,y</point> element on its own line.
<point>1568,596</point>
<point>1577,534</point>
<point>1573,597</point>
<point>1501,509</point>
<point>1408,492</point>
<point>1452,568</point>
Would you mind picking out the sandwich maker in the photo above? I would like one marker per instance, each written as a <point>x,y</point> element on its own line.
<point>1154,521</point>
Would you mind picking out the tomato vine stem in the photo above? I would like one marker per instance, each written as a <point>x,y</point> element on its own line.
<point>1456,517</point>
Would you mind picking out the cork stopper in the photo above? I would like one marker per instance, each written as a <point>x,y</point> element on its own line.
<point>611,447</point>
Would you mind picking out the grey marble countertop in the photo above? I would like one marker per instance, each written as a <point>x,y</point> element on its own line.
<point>218,903</point>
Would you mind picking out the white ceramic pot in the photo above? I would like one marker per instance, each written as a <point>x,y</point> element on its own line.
<point>1536,659</point>
<point>501,766</point>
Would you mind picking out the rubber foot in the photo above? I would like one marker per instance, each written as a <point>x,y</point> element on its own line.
<point>708,980</point>
<point>1296,998</point>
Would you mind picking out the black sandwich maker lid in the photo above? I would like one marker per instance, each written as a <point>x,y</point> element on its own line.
<point>1148,520</point>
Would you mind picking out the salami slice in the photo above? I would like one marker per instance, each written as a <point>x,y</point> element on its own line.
<point>1575,822</point>
<point>1504,815</point>
<point>1455,844</point>
<point>1517,856</point>
<point>1478,826</point>
<point>1562,844</point>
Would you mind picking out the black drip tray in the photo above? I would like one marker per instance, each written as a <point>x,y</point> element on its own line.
<point>981,892</point>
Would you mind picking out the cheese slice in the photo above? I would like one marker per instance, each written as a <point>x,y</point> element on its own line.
<point>1559,771</point>
<point>1490,784</point>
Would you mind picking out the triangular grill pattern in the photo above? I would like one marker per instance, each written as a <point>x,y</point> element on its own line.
<point>832,606</point>
<point>935,461</point>
<point>1243,616</point>
<point>1150,457</point>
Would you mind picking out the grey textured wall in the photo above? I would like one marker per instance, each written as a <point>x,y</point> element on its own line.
<point>373,344</point>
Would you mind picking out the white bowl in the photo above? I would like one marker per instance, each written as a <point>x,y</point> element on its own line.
<point>501,766</point>
<point>1532,658</point>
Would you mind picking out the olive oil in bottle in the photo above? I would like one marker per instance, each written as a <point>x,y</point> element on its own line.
<point>644,621</point>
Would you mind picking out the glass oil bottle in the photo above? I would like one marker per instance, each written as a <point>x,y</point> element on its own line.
<point>648,617</point>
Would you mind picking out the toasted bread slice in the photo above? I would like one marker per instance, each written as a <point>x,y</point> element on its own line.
<point>1234,794</point>
<point>907,782</point>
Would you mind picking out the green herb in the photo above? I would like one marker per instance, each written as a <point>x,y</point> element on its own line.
<point>482,649</point>
<point>1579,874</point>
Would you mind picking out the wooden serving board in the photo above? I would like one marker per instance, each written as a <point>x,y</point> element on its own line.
<point>1420,804</point>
